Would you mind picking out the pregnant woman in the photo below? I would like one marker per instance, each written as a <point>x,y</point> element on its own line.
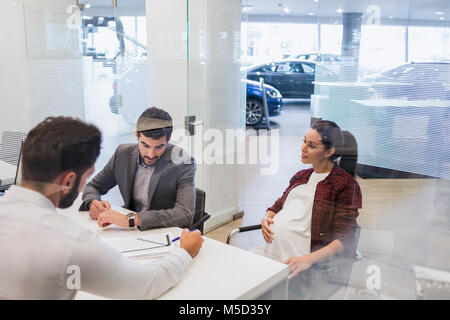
<point>315,218</point>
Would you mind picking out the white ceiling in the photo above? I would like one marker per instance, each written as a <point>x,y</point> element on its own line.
<point>411,10</point>
<point>403,9</point>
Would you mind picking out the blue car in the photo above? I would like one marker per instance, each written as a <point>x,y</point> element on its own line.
<point>254,110</point>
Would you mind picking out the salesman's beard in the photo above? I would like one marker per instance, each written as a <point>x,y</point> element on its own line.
<point>69,198</point>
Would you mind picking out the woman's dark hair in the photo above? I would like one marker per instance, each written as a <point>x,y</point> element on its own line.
<point>343,142</point>
<point>157,113</point>
<point>59,144</point>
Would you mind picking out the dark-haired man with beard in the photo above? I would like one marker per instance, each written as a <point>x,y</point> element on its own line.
<point>154,184</point>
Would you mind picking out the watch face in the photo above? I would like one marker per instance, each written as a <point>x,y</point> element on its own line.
<point>131,216</point>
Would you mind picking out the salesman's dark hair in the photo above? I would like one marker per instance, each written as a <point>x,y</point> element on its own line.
<point>344,142</point>
<point>154,112</point>
<point>59,144</point>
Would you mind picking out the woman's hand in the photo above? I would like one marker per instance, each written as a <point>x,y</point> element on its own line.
<point>298,264</point>
<point>266,230</point>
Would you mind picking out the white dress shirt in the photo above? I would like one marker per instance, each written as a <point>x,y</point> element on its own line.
<point>292,224</point>
<point>40,249</point>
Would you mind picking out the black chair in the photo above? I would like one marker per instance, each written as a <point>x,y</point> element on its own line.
<point>325,278</point>
<point>199,213</point>
<point>10,146</point>
<point>10,149</point>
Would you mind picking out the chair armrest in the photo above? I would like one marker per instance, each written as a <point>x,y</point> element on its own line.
<point>242,229</point>
<point>231,234</point>
<point>250,228</point>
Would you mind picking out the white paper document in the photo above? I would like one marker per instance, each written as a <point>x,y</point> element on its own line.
<point>154,245</point>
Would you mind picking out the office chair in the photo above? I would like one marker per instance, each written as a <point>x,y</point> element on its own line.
<point>324,278</point>
<point>199,213</point>
<point>10,152</point>
<point>10,146</point>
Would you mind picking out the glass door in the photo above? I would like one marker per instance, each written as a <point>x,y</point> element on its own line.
<point>215,110</point>
<point>114,52</point>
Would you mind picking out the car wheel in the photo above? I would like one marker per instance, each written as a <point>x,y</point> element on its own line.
<point>254,112</point>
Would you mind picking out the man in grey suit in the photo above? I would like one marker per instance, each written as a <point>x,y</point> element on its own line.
<point>160,191</point>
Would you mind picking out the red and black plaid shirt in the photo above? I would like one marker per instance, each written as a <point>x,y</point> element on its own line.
<point>336,203</point>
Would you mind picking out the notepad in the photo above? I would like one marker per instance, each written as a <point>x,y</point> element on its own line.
<point>154,245</point>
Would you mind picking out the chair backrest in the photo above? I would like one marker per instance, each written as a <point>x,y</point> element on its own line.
<point>349,154</point>
<point>10,146</point>
<point>199,212</point>
<point>18,178</point>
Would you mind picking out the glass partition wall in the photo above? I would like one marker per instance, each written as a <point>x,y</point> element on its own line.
<point>379,69</point>
<point>382,73</point>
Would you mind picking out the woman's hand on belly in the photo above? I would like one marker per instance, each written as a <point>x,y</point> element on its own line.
<point>267,230</point>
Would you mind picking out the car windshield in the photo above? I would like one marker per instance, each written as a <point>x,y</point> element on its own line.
<point>307,68</point>
<point>284,67</point>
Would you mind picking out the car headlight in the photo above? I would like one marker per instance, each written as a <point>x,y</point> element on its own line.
<point>273,93</point>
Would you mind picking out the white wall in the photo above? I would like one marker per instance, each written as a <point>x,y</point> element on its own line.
<point>41,70</point>
<point>15,104</point>
<point>54,59</point>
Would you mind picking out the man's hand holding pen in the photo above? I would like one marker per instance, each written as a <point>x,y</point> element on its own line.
<point>191,241</point>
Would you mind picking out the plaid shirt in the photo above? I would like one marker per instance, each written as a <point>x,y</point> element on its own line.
<point>335,208</point>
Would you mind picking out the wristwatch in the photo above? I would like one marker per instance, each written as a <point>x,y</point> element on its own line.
<point>131,217</point>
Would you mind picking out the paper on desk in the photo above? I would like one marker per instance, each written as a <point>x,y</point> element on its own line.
<point>154,245</point>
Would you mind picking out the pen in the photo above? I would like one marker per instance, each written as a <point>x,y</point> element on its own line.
<point>196,225</point>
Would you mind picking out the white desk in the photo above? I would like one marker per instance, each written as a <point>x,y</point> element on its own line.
<point>219,271</point>
<point>7,173</point>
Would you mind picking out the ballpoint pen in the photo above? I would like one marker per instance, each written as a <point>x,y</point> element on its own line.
<point>196,225</point>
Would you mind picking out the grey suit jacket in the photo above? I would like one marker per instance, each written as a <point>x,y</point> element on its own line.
<point>171,194</point>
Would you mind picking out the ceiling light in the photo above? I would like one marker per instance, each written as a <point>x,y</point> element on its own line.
<point>339,10</point>
<point>442,18</point>
<point>87,5</point>
<point>439,12</point>
<point>287,10</point>
<point>391,17</point>
<point>311,14</point>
